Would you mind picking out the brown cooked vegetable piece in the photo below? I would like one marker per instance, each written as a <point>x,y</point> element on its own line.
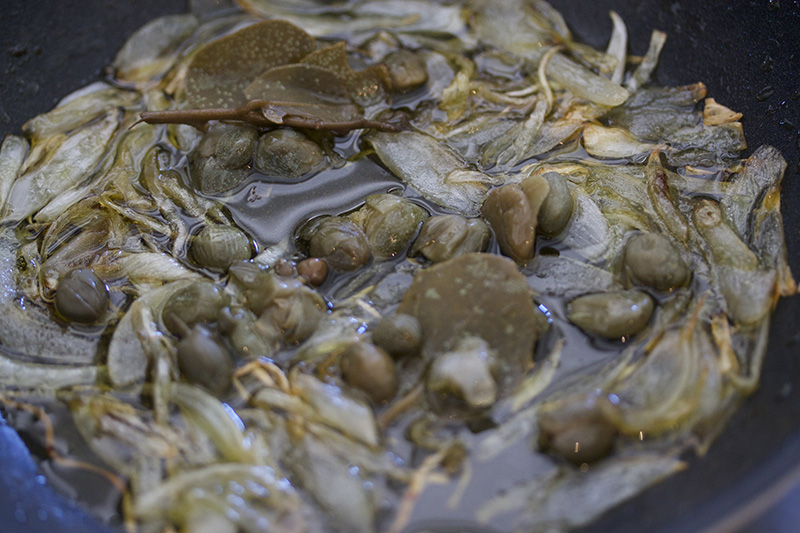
<point>219,73</point>
<point>479,295</point>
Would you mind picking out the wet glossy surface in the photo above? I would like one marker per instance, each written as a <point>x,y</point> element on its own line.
<point>756,449</point>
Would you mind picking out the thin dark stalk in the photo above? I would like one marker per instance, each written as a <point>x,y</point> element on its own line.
<point>252,113</point>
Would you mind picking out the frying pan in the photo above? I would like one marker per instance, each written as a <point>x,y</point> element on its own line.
<point>747,53</point>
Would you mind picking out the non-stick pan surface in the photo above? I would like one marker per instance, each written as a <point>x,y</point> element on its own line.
<point>747,53</point>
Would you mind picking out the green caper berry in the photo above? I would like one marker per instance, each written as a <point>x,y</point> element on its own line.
<point>399,335</point>
<point>81,296</point>
<point>204,361</point>
<point>370,369</point>
<point>216,247</point>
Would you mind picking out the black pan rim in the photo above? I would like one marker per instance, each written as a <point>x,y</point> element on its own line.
<point>737,49</point>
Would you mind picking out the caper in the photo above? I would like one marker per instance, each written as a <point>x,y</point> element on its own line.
<point>557,207</point>
<point>246,274</point>
<point>582,443</point>
<point>294,312</point>
<point>389,222</point>
<point>536,189</point>
<point>314,270</point>
<point>443,237</point>
<point>612,315</point>
<point>235,146</point>
<point>508,212</point>
<point>287,153</point>
<point>651,259</point>
<point>199,302</point>
<point>209,177</point>
<point>81,296</point>
<point>231,145</point>
<point>260,287</point>
<point>248,339</point>
<point>220,162</point>
<point>217,246</point>
<point>340,242</point>
<point>575,429</point>
<point>406,70</point>
<point>400,335</point>
<point>204,361</point>
<point>370,369</point>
